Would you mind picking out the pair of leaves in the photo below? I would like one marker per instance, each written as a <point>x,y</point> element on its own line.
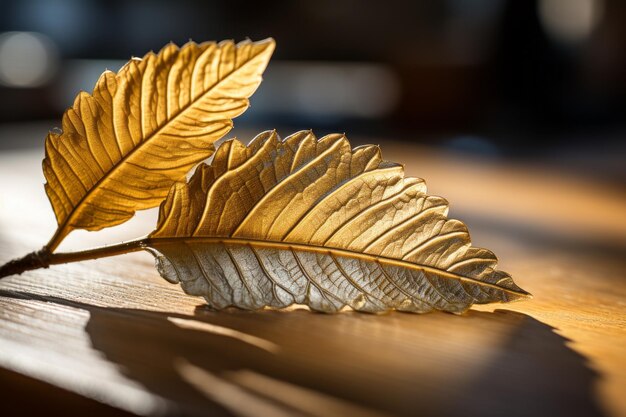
<point>273,223</point>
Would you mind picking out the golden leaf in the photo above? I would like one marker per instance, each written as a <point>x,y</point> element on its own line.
<point>317,223</point>
<point>142,129</point>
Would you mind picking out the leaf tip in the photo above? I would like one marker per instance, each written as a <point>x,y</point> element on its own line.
<point>268,43</point>
<point>269,40</point>
<point>514,292</point>
<point>523,295</point>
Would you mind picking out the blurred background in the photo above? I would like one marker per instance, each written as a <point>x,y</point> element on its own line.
<point>533,80</point>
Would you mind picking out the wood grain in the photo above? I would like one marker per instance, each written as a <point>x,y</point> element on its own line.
<point>115,338</point>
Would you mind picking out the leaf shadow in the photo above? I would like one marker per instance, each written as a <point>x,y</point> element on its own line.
<point>281,363</point>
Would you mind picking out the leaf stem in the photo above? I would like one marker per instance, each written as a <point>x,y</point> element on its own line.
<point>56,239</point>
<point>43,258</point>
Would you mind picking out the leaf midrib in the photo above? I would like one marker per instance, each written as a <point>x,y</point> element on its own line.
<point>154,242</point>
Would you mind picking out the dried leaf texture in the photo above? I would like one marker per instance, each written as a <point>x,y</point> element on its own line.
<point>122,147</point>
<point>317,223</point>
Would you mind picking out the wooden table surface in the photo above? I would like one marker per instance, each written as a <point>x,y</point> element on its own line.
<point>110,337</point>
